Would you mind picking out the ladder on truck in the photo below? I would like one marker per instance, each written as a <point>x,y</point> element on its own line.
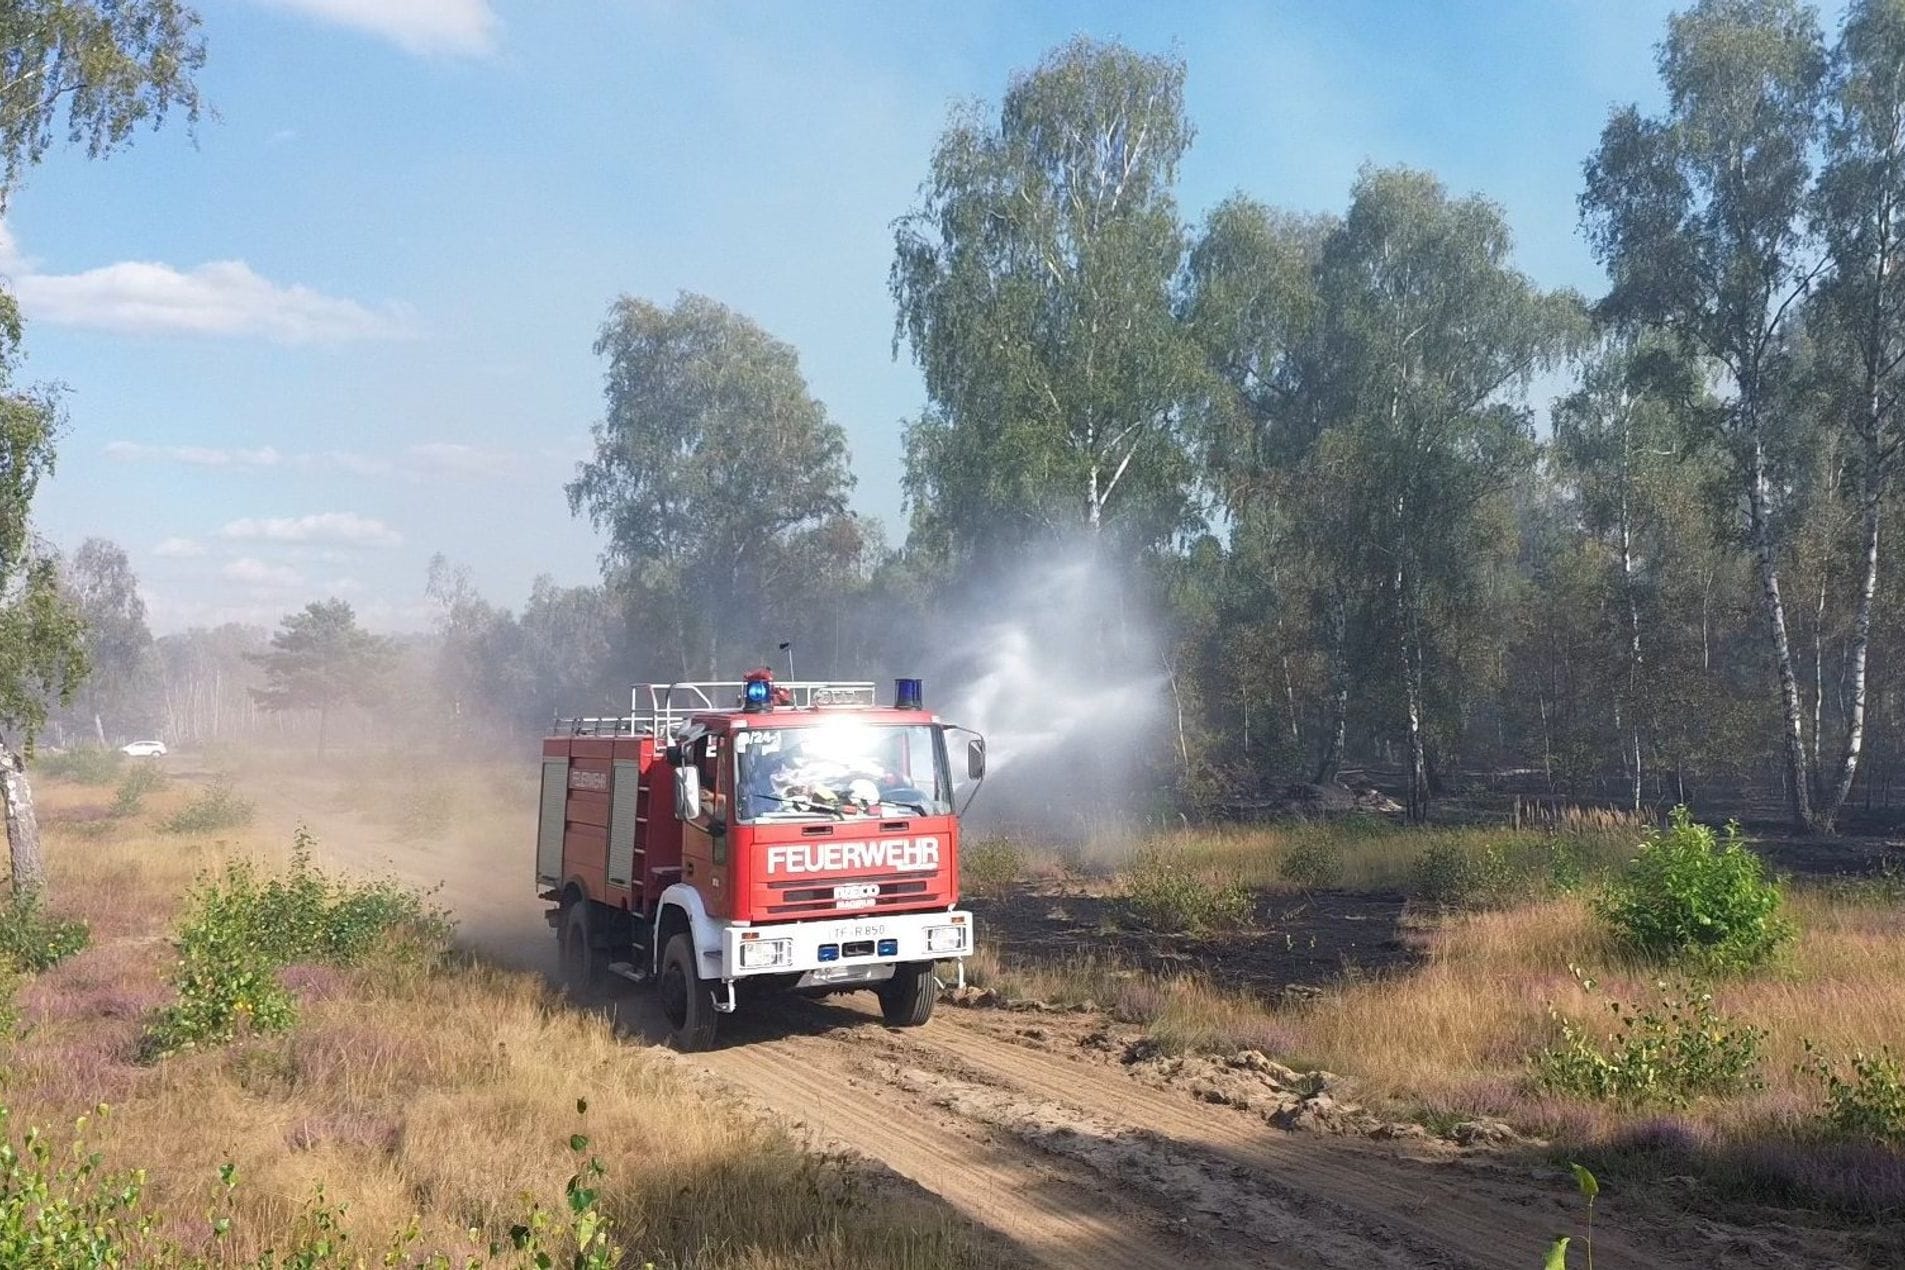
<point>656,709</point>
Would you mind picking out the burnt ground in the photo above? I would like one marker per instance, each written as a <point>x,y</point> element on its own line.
<point>1296,944</point>
<point>1300,943</point>
<point>1809,855</point>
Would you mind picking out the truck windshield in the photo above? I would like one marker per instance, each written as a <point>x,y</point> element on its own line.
<point>838,770</point>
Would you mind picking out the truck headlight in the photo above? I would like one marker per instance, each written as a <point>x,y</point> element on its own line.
<point>945,938</point>
<point>757,954</point>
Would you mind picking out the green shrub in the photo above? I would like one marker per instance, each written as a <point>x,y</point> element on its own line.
<point>1162,895</point>
<point>9,1012</point>
<point>990,866</point>
<point>1568,861</point>
<point>1671,1053</point>
<point>86,765</point>
<point>241,932</point>
<point>1869,1105</point>
<point>1689,898</point>
<point>216,807</point>
<point>32,939</point>
<point>60,1212</point>
<point>133,788</point>
<point>1449,873</point>
<point>1314,860</point>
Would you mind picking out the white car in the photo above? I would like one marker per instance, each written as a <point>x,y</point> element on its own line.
<point>143,749</point>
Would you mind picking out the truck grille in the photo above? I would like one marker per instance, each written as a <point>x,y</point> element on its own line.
<point>812,897</point>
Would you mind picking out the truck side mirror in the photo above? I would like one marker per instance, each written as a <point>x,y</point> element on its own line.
<point>976,758</point>
<point>688,793</point>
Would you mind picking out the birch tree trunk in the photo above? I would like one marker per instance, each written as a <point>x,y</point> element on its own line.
<point>1635,665</point>
<point>1412,694</point>
<point>1335,726</point>
<point>1798,782</point>
<point>1841,788</point>
<point>23,827</point>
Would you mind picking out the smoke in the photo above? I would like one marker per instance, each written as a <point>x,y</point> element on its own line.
<point>1057,662</point>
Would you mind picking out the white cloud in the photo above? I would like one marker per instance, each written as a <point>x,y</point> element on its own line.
<point>432,461</point>
<point>196,455</point>
<point>179,548</point>
<point>224,297</point>
<point>256,573</point>
<point>344,528</point>
<point>460,27</point>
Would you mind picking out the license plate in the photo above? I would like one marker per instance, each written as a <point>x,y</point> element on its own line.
<point>857,891</point>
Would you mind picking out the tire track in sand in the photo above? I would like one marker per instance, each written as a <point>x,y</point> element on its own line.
<point>1464,1213</point>
<point>1055,1216</point>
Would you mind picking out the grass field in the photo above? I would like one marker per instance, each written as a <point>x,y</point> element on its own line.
<point>1453,1036</point>
<point>431,1093</point>
<point>445,1092</point>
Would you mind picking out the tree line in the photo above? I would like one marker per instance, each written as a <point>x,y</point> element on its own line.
<point>1313,435</point>
<point>1314,443</point>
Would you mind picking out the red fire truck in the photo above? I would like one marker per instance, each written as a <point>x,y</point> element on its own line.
<point>726,839</point>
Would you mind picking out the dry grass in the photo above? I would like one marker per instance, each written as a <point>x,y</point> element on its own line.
<point>1451,1038</point>
<point>1374,854</point>
<point>1459,1028</point>
<point>1456,1032</point>
<point>446,1092</point>
<point>1181,1014</point>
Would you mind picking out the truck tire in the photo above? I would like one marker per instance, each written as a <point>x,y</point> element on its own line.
<point>581,962</point>
<point>906,1000</point>
<point>686,1000</point>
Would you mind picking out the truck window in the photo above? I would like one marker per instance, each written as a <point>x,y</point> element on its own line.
<point>839,770</point>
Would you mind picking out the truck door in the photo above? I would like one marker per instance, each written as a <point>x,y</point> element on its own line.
<point>704,840</point>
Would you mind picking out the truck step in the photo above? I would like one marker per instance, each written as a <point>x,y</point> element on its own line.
<point>628,971</point>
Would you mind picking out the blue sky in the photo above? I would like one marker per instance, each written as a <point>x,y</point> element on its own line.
<point>351,326</point>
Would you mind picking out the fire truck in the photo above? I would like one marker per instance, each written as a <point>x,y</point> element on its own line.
<point>726,840</point>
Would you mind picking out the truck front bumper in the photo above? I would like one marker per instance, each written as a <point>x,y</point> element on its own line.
<point>843,949</point>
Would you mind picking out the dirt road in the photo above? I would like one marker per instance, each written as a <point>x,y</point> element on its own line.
<point>1016,1121</point>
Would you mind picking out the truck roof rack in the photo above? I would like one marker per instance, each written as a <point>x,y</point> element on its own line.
<point>657,708</point>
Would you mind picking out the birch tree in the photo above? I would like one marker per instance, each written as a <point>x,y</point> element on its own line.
<point>711,457</point>
<point>42,651</point>
<point>1860,214</point>
<point>90,71</point>
<point>94,69</point>
<point>1618,440</point>
<point>1699,217</point>
<point>100,583</point>
<point>1253,307</point>
<point>1433,335</point>
<point>1034,287</point>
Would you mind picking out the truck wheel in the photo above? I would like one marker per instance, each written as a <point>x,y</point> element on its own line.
<point>686,1000</point>
<point>581,964</point>
<point>906,1000</point>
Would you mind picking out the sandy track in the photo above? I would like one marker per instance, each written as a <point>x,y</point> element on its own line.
<point>1055,1213</point>
<point>1083,1166</point>
<point>1012,1123</point>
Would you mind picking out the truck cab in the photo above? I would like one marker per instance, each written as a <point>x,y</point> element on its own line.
<point>725,840</point>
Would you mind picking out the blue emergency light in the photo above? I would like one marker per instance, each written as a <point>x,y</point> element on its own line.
<point>758,694</point>
<point>907,695</point>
